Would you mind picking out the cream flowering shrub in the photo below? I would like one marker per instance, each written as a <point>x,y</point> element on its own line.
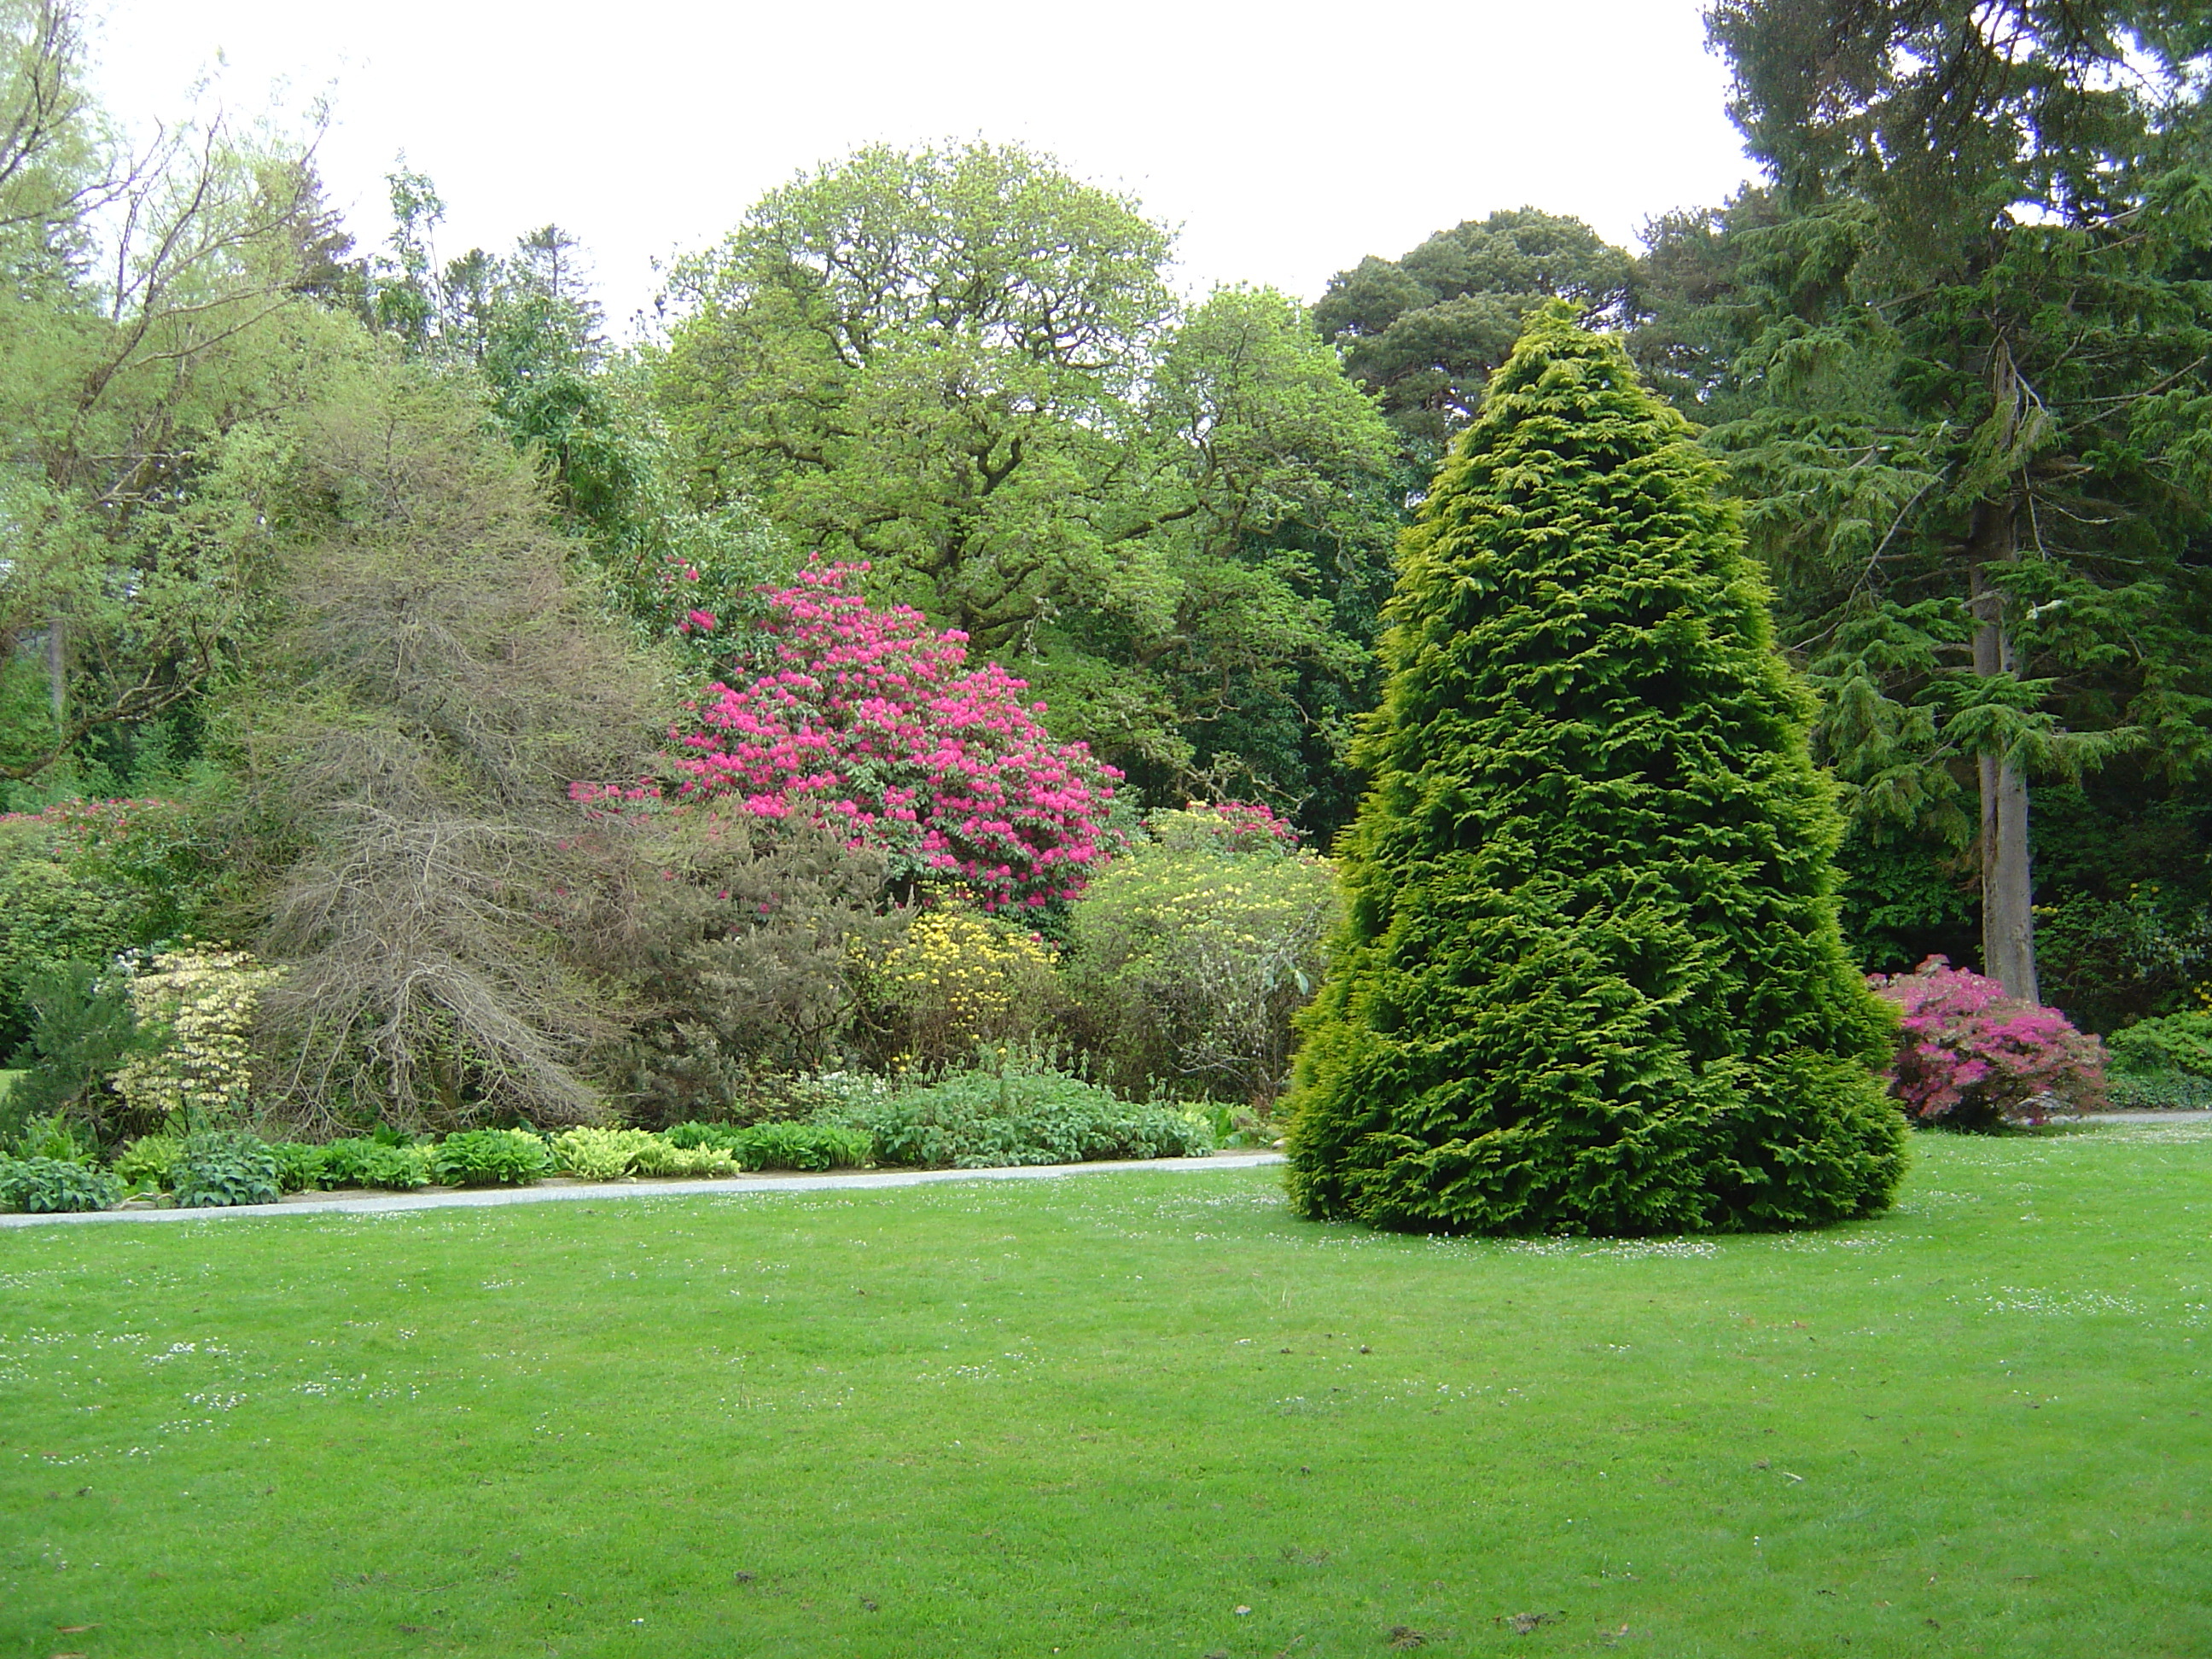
<point>957,980</point>
<point>1190,954</point>
<point>203,998</point>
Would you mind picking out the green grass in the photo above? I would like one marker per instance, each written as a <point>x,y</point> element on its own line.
<point>1101,1416</point>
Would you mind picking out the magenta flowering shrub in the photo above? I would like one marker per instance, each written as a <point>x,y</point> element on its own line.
<point>869,721</point>
<point>1974,1056</point>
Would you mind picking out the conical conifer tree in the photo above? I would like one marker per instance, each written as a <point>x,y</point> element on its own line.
<point>1591,980</point>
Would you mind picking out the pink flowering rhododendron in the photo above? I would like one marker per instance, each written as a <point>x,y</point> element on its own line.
<point>870,721</point>
<point>1972,1055</point>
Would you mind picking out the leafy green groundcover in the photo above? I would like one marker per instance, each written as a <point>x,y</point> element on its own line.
<point>978,1120</point>
<point>1102,1414</point>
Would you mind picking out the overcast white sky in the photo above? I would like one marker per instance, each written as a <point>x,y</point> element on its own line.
<point>1285,142</point>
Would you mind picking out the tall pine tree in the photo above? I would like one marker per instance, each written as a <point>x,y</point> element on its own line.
<point>1954,358</point>
<point>1592,980</point>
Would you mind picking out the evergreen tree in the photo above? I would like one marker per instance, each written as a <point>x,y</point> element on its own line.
<point>1591,980</point>
<point>1954,357</point>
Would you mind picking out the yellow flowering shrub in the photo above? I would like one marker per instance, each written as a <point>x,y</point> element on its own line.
<point>201,998</point>
<point>957,981</point>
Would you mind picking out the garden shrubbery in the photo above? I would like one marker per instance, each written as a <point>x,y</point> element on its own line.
<point>82,1033</point>
<point>2172,1043</point>
<point>86,881</point>
<point>986,1119</point>
<point>1188,955</point>
<point>197,1002</point>
<point>2161,1064</point>
<point>744,943</point>
<point>958,981</point>
<point>1973,1058</point>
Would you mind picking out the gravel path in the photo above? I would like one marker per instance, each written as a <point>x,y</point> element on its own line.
<point>558,1191</point>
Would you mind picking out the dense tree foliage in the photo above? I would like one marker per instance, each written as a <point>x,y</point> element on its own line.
<point>1592,979</point>
<point>152,324</point>
<point>965,367</point>
<point>1425,331</point>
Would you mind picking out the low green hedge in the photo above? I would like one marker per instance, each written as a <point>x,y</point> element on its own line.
<point>971,1120</point>
<point>981,1120</point>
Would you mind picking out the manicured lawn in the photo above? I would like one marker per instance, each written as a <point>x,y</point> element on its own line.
<point>1107,1415</point>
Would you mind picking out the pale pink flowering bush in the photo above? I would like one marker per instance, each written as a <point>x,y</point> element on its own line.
<point>869,721</point>
<point>1232,826</point>
<point>1972,1056</point>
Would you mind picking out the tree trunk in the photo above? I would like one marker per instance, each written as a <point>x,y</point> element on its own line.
<point>2008,884</point>
<point>57,671</point>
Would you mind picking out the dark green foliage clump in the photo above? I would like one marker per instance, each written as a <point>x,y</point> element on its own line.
<point>1591,980</point>
<point>82,1033</point>
<point>490,1158</point>
<point>2158,1091</point>
<point>2177,1042</point>
<point>220,1168</point>
<point>299,1165</point>
<point>2162,1065</point>
<point>49,1186</point>
<point>367,1163</point>
<point>983,1121</point>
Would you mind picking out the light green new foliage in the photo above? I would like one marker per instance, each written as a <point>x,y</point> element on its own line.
<point>602,1154</point>
<point>662,1159</point>
<point>1592,980</point>
<point>922,359</point>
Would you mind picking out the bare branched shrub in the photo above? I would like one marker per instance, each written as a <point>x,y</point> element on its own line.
<point>407,751</point>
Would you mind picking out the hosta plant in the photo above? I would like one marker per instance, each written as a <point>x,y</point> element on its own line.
<point>366,1163</point>
<point>490,1158</point>
<point>148,1160</point>
<point>222,1168</point>
<point>593,1154</point>
<point>47,1186</point>
<point>663,1157</point>
<point>801,1146</point>
<point>299,1165</point>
